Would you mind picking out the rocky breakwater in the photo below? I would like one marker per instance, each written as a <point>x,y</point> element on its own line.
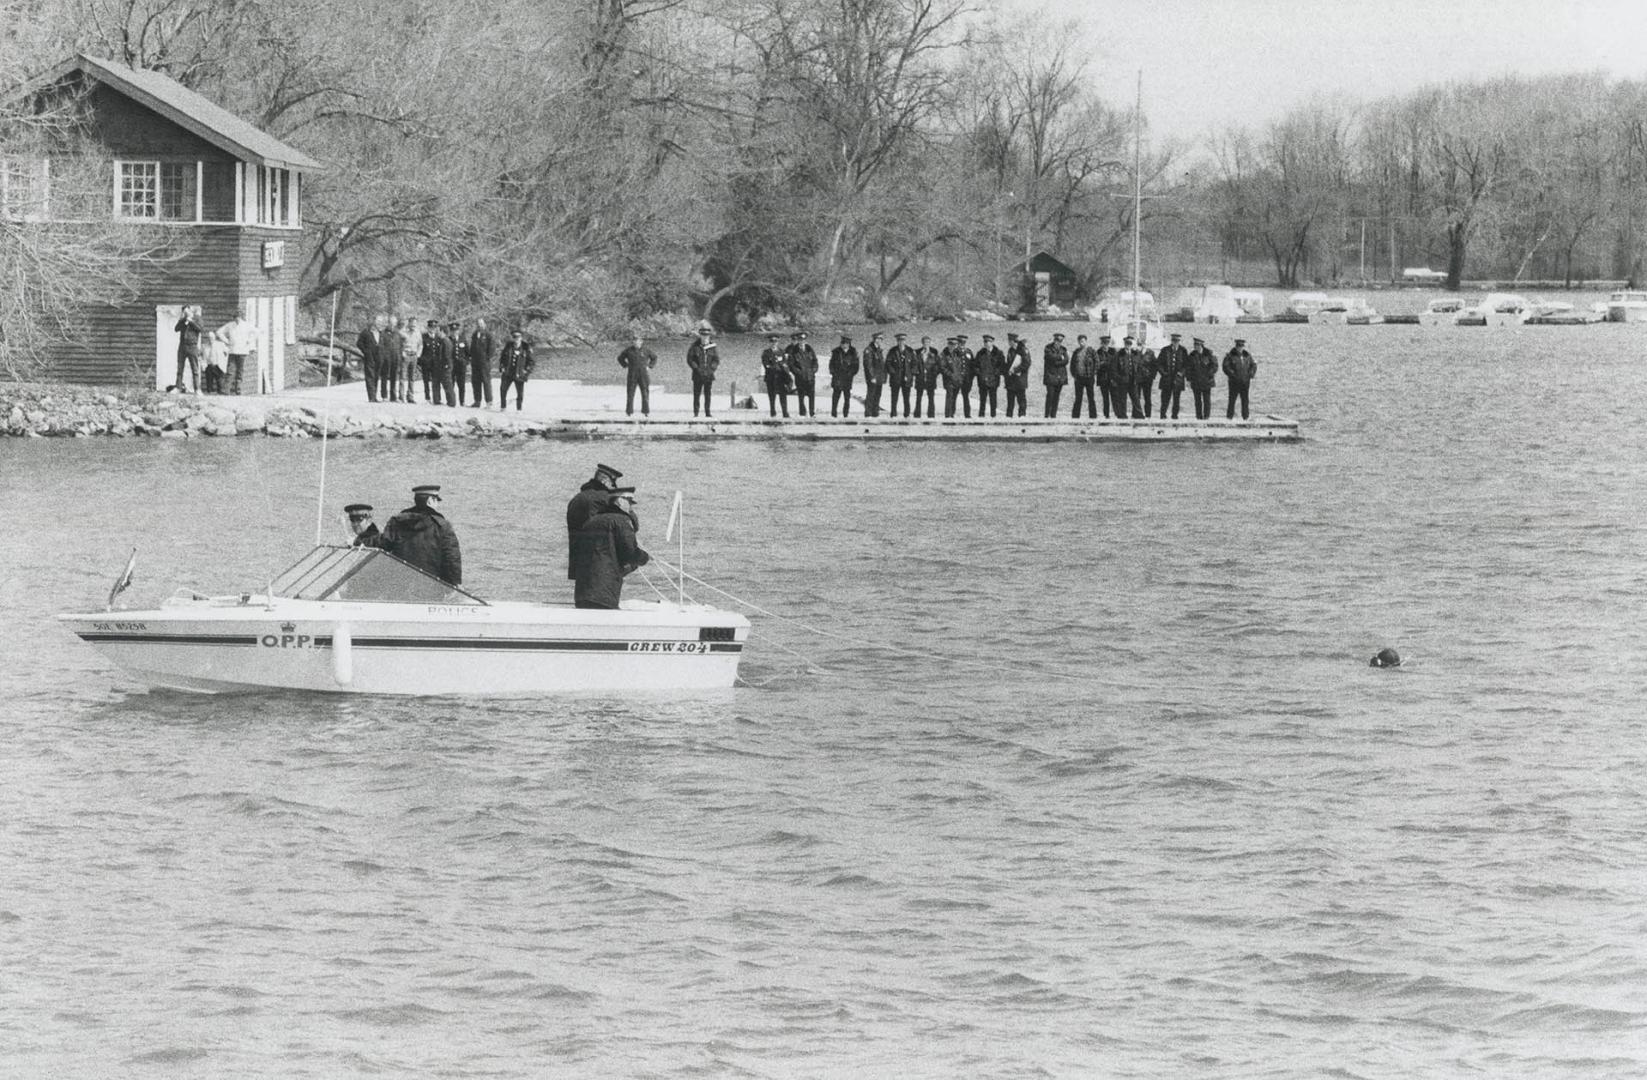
<point>35,411</point>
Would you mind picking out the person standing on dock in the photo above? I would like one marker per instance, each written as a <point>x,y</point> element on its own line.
<point>1143,377</point>
<point>989,363</point>
<point>874,374</point>
<point>428,362</point>
<point>460,362</point>
<point>515,365</point>
<point>1131,366</point>
<point>1016,375</point>
<point>968,370</point>
<point>372,345</point>
<point>704,359</point>
<point>843,368</point>
<point>1054,372</point>
<point>388,352</point>
<point>929,363</point>
<point>1104,364</point>
<point>481,349</point>
<point>422,537</point>
<point>1172,364</point>
<point>637,362</point>
<point>1202,372</point>
<point>188,330</point>
<point>411,348</point>
<point>1239,370</point>
<point>1083,373</point>
<point>900,372</point>
<point>239,339</point>
<point>778,379</point>
<point>803,365</point>
<point>950,370</point>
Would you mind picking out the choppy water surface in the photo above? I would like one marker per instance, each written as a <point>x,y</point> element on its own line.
<point>1130,805</point>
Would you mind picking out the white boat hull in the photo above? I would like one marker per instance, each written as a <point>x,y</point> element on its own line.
<point>408,649</point>
<point>1627,312</point>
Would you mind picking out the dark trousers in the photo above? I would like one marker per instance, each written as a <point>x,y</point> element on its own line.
<point>428,384</point>
<point>1203,401</point>
<point>1104,393</point>
<point>1237,391</point>
<point>931,393</point>
<point>237,368</point>
<point>872,398</point>
<point>508,380</point>
<point>1136,402</point>
<point>842,396</point>
<point>774,398</point>
<point>900,388</point>
<point>1053,394</point>
<point>1083,389</point>
<point>951,392</point>
<point>642,381</point>
<point>1146,394</point>
<point>702,390</point>
<point>480,381</point>
<point>192,359</point>
<point>966,395</point>
<point>1017,398</point>
<point>443,385</point>
<point>213,379</point>
<point>372,375</point>
<point>987,394</point>
<point>460,382</point>
<point>1170,397</point>
<point>806,396</point>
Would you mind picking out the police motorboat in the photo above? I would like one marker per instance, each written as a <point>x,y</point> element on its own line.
<point>358,620</point>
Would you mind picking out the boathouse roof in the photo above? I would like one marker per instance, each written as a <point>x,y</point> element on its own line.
<point>1042,263</point>
<point>171,99</point>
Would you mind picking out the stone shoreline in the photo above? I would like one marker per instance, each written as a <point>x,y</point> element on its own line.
<point>60,411</point>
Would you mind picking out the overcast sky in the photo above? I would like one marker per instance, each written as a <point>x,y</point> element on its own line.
<point>1208,63</point>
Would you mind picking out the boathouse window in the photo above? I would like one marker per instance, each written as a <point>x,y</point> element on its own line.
<point>157,191</point>
<point>23,187</point>
<point>270,197</point>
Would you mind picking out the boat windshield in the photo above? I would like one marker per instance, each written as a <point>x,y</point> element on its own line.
<point>362,574</point>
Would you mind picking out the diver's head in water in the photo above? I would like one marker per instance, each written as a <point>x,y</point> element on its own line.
<point>1385,658</point>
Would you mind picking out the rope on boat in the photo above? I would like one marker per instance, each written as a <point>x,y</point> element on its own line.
<point>812,667</point>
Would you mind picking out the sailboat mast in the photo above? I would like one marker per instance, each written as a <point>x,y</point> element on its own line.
<point>1137,185</point>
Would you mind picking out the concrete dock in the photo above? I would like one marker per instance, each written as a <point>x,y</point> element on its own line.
<point>562,409</point>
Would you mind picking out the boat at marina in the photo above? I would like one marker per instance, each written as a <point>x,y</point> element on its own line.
<point>1131,312</point>
<point>1445,310</point>
<point>1206,304</point>
<point>1627,305</point>
<point>360,621</point>
<point>1341,310</point>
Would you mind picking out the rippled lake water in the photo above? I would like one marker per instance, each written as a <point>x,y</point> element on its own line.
<point>1087,775</point>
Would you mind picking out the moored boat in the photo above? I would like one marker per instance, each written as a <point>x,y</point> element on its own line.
<point>358,620</point>
<point>1627,305</point>
<point>1444,310</point>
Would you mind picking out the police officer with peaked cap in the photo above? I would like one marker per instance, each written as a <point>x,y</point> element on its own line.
<point>422,537</point>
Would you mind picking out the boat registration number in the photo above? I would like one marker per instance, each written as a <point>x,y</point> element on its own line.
<point>669,646</point>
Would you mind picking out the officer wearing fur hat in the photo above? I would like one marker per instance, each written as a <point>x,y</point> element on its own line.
<point>843,368</point>
<point>422,537</point>
<point>1202,373</point>
<point>704,359</point>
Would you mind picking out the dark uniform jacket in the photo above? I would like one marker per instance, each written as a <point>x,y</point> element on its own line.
<point>390,346</point>
<point>803,363</point>
<point>604,549</point>
<point>188,336</point>
<point>875,367</point>
<point>928,363</point>
<point>1203,368</point>
<point>460,351</point>
<point>1108,359</point>
<point>703,358</point>
<point>371,346</point>
<point>515,362</point>
<point>1054,365</point>
<point>1017,366</point>
<point>1172,364</point>
<point>591,497</point>
<point>436,354</point>
<point>1129,368</point>
<point>371,538</point>
<point>843,366</point>
<point>779,380</point>
<point>1144,372</point>
<point>901,364</point>
<point>990,364</point>
<point>639,363</point>
<point>1239,367</point>
<point>419,535</point>
<point>481,347</point>
<point>1083,364</point>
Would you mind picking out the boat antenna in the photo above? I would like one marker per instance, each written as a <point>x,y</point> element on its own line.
<point>1137,187</point>
<point>326,422</point>
<point>677,518</point>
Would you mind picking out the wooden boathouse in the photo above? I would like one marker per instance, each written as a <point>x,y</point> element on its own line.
<point>229,199</point>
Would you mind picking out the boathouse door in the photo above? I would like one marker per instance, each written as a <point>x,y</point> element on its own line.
<point>165,344</point>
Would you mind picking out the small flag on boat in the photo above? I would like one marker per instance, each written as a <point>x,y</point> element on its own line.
<point>674,517</point>
<point>123,582</point>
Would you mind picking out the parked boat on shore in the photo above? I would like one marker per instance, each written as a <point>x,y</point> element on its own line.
<point>1627,305</point>
<point>1445,310</point>
<point>360,621</point>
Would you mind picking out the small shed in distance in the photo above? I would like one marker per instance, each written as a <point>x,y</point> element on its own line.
<point>1044,283</point>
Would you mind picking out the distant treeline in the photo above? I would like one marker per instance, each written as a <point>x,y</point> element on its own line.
<point>593,162</point>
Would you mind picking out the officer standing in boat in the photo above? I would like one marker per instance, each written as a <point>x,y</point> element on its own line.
<point>1203,373</point>
<point>900,372</point>
<point>1016,377</point>
<point>604,550</point>
<point>1054,372</point>
<point>1172,365</point>
<point>1239,369</point>
<point>421,536</point>
<point>778,379</point>
<point>929,363</point>
<point>590,497</point>
<point>366,534</point>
